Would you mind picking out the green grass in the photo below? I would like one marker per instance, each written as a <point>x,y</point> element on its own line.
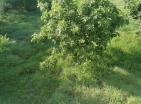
<point>21,81</point>
<point>20,62</point>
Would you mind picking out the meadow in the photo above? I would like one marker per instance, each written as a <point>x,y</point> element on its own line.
<point>22,81</point>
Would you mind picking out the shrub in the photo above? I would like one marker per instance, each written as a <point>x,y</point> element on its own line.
<point>4,5</point>
<point>3,42</point>
<point>134,7</point>
<point>28,5</point>
<point>80,29</point>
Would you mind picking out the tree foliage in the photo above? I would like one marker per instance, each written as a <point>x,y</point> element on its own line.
<point>4,5</point>
<point>79,27</point>
<point>28,5</point>
<point>4,41</point>
<point>134,7</point>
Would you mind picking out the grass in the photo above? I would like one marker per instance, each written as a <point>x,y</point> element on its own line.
<point>20,62</point>
<point>21,81</point>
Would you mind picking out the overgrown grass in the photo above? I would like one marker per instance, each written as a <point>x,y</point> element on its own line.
<point>21,81</point>
<point>20,62</point>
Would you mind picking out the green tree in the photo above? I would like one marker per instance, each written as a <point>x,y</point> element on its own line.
<point>134,7</point>
<point>78,27</point>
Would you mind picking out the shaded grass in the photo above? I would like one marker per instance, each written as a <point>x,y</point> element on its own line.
<point>19,64</point>
<point>19,26</point>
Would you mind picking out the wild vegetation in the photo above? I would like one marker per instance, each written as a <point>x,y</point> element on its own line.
<point>27,5</point>
<point>78,52</point>
<point>134,8</point>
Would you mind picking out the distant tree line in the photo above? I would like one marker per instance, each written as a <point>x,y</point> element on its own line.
<point>22,5</point>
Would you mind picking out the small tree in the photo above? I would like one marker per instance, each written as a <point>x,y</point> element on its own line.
<point>78,27</point>
<point>134,8</point>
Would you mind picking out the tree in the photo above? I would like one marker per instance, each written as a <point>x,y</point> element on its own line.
<point>78,27</point>
<point>134,8</point>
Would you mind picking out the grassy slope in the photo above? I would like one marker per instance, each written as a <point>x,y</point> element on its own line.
<point>22,83</point>
<point>19,64</point>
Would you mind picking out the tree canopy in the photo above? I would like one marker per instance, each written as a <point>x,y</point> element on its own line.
<point>79,27</point>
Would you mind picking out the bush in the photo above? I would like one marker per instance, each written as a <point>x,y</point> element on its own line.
<point>134,7</point>
<point>80,29</point>
<point>4,5</point>
<point>3,42</point>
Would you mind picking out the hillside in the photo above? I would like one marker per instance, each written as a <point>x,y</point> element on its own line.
<point>22,81</point>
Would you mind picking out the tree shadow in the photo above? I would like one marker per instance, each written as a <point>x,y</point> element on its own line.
<point>126,71</point>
